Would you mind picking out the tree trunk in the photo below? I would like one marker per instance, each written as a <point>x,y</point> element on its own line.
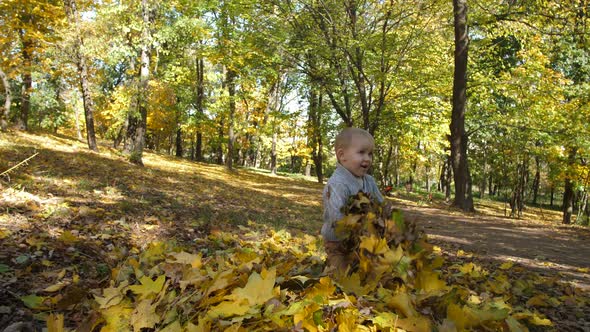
<point>583,201</point>
<point>82,67</point>
<point>568,192</point>
<point>231,89</point>
<point>200,98</point>
<point>448,178</point>
<point>7,102</point>
<point>536,180</point>
<point>137,121</point>
<point>552,195</point>
<point>387,164</point>
<point>441,178</point>
<point>314,134</point>
<point>220,143</point>
<point>273,151</point>
<point>462,177</point>
<point>517,198</point>
<point>179,142</point>
<point>25,105</point>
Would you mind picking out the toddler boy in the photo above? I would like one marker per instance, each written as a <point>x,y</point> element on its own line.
<point>354,152</point>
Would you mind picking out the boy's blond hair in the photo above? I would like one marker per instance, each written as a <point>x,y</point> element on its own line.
<point>345,137</point>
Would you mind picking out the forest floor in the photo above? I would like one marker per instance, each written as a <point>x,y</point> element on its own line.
<point>70,216</point>
<point>537,241</point>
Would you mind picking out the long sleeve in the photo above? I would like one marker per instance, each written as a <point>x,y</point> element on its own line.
<point>335,196</point>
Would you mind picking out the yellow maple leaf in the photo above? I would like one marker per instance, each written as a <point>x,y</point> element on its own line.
<point>346,225</point>
<point>324,288</point>
<point>185,258</point>
<point>203,325</point>
<point>221,280</point>
<point>374,245</point>
<point>415,324</point>
<point>258,289</point>
<point>148,287</point>
<point>403,302</point>
<point>144,316</point>
<point>385,320</point>
<point>173,327</point>
<point>304,316</point>
<point>429,281</point>
<point>229,308</point>
<point>111,296</point>
<point>116,317</point>
<point>347,320</point>
<point>68,238</point>
<point>353,284</point>
<point>55,323</point>
<point>154,252</point>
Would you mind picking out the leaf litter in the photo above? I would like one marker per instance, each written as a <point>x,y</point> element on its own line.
<point>71,263</point>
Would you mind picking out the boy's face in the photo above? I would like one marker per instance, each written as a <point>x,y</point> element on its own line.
<point>358,156</point>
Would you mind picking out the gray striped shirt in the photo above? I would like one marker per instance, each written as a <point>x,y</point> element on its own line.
<point>340,186</point>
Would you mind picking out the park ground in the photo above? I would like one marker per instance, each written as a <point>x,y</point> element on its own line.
<point>66,193</point>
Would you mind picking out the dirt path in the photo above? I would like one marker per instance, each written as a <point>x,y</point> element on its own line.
<point>546,248</point>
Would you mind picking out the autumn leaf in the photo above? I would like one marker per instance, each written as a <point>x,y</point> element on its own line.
<point>185,258</point>
<point>429,282</point>
<point>111,296</point>
<point>148,287</point>
<point>117,317</point>
<point>56,287</point>
<point>415,324</point>
<point>258,289</point>
<point>144,316</point>
<point>385,320</point>
<point>34,301</point>
<point>68,237</point>
<point>55,323</point>
<point>353,284</point>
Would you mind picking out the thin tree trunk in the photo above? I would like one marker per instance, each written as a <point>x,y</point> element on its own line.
<point>388,161</point>
<point>462,177</point>
<point>25,108</point>
<point>568,193</point>
<point>231,89</point>
<point>220,146</point>
<point>273,151</point>
<point>200,97</point>
<point>448,178</point>
<point>517,198</point>
<point>80,60</point>
<point>137,121</point>
<point>536,180</point>
<point>7,102</point>
<point>179,142</point>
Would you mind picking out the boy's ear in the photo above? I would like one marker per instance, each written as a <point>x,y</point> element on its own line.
<point>339,154</point>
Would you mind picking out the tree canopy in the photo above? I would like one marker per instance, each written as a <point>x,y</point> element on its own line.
<point>269,83</point>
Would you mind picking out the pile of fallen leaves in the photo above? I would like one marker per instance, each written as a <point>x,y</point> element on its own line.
<point>242,283</point>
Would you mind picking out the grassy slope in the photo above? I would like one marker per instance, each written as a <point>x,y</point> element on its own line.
<point>72,209</point>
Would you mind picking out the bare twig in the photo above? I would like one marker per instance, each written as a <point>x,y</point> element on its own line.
<point>24,162</point>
